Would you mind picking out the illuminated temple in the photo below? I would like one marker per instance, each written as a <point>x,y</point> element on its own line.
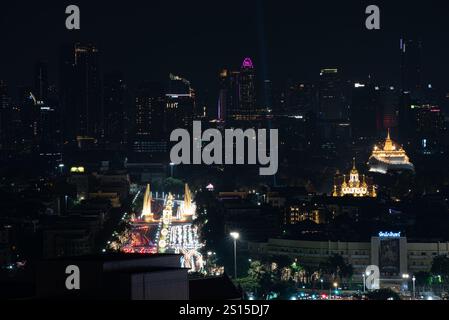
<point>389,157</point>
<point>354,185</point>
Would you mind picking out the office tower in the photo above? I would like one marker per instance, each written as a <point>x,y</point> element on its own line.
<point>115,124</point>
<point>373,110</point>
<point>365,112</point>
<point>223,95</point>
<point>267,96</point>
<point>180,103</point>
<point>430,128</point>
<point>389,104</point>
<point>233,99</point>
<point>247,107</point>
<point>299,98</point>
<point>410,51</point>
<point>4,115</point>
<point>49,130</point>
<point>149,129</point>
<point>88,80</point>
<point>41,81</point>
<point>331,98</point>
<point>29,116</point>
<point>411,86</point>
<point>80,97</point>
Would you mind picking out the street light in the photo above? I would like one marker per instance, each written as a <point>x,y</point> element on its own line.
<point>414,287</point>
<point>364,282</point>
<point>321,280</point>
<point>171,169</point>
<point>235,236</point>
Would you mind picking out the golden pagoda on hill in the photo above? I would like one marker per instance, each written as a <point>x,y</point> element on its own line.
<point>354,185</point>
<point>389,157</point>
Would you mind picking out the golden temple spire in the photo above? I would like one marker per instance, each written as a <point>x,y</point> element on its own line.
<point>389,143</point>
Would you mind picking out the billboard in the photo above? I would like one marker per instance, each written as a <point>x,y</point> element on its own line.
<point>389,258</point>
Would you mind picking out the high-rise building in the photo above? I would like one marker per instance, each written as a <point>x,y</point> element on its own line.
<point>4,115</point>
<point>268,96</point>
<point>149,128</point>
<point>233,99</point>
<point>247,107</point>
<point>300,98</point>
<point>115,115</point>
<point>411,69</point>
<point>223,95</point>
<point>430,128</point>
<point>333,112</point>
<point>29,116</point>
<point>180,107</point>
<point>331,98</point>
<point>81,94</point>
<point>411,85</point>
<point>365,112</point>
<point>41,81</point>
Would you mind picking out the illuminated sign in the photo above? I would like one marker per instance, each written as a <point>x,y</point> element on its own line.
<point>77,170</point>
<point>389,234</point>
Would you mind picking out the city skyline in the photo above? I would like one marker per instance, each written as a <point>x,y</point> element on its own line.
<point>280,49</point>
<point>243,150</point>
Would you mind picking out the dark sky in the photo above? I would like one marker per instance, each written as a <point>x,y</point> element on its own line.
<point>148,39</point>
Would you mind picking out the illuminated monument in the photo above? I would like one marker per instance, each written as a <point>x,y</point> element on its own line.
<point>147,214</point>
<point>166,225</point>
<point>354,185</point>
<point>188,208</point>
<point>390,157</point>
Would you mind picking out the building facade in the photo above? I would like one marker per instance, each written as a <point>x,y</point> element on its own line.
<point>391,252</point>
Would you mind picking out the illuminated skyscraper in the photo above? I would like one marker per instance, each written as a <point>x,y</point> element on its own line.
<point>247,108</point>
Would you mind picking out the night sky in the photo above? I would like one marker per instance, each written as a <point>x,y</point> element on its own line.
<point>149,39</point>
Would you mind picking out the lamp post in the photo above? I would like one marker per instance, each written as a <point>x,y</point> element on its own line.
<point>414,287</point>
<point>334,285</point>
<point>364,282</point>
<point>171,169</point>
<point>321,280</point>
<point>61,167</point>
<point>235,236</point>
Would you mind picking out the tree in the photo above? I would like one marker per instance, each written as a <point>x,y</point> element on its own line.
<point>440,268</point>
<point>337,267</point>
<point>423,279</point>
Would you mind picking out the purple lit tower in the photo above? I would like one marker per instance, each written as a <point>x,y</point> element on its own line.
<point>247,91</point>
